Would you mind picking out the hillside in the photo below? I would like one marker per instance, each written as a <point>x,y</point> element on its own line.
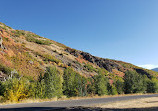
<point>30,54</point>
<point>25,54</point>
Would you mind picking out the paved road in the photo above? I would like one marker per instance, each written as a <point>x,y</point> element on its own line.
<point>68,103</point>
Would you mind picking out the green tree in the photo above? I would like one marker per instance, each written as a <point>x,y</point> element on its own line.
<point>80,84</point>
<point>53,83</point>
<point>101,84</point>
<point>2,89</point>
<point>68,84</point>
<point>91,86</point>
<point>134,82</point>
<point>119,85</point>
<point>152,85</point>
<point>74,84</point>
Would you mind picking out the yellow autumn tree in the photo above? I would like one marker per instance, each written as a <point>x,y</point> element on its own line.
<point>17,89</point>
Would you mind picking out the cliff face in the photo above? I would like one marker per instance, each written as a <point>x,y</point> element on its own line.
<point>29,54</point>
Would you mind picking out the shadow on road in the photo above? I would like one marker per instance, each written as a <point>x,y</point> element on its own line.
<point>76,109</point>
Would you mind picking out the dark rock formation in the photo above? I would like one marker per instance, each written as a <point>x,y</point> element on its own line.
<point>143,72</point>
<point>101,62</point>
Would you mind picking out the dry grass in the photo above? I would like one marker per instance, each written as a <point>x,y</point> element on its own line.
<point>136,103</point>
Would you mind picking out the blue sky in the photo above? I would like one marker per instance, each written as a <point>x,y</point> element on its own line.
<point>124,30</point>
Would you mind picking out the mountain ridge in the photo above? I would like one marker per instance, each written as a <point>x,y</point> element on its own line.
<point>155,69</point>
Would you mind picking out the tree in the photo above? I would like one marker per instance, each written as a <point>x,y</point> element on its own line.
<point>53,83</point>
<point>133,82</point>
<point>16,89</point>
<point>100,84</point>
<point>2,89</point>
<point>74,84</point>
<point>119,85</point>
<point>152,85</point>
<point>91,86</point>
<point>68,84</point>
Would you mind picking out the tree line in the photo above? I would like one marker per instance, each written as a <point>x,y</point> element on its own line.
<point>69,83</point>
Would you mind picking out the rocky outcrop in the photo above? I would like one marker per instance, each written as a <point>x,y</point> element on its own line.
<point>1,40</point>
<point>143,72</point>
<point>101,62</point>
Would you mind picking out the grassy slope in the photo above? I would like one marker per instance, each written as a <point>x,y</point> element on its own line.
<point>30,54</point>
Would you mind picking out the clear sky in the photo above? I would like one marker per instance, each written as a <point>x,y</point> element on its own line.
<point>124,30</point>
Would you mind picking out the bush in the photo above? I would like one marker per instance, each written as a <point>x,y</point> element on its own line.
<point>5,69</point>
<point>48,57</point>
<point>90,68</point>
<point>42,42</point>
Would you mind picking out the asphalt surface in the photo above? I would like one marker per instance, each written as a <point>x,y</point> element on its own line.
<point>56,105</point>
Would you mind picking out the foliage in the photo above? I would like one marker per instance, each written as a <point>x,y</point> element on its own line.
<point>16,89</point>
<point>152,86</point>
<point>48,57</point>
<point>36,39</point>
<point>119,84</point>
<point>53,83</point>
<point>90,68</point>
<point>134,82</point>
<point>2,89</point>
<point>18,33</point>
<point>112,90</point>
<point>74,84</point>
<point>5,69</point>
<point>91,86</point>
<point>101,84</point>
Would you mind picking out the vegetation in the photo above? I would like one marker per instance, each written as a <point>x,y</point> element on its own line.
<point>74,84</point>
<point>55,84</point>
<point>38,41</point>
<point>48,57</point>
<point>5,69</point>
<point>90,68</point>
<point>40,75</point>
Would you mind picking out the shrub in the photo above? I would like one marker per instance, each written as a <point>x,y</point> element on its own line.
<point>48,57</point>
<point>38,41</point>
<point>5,69</point>
<point>90,68</point>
